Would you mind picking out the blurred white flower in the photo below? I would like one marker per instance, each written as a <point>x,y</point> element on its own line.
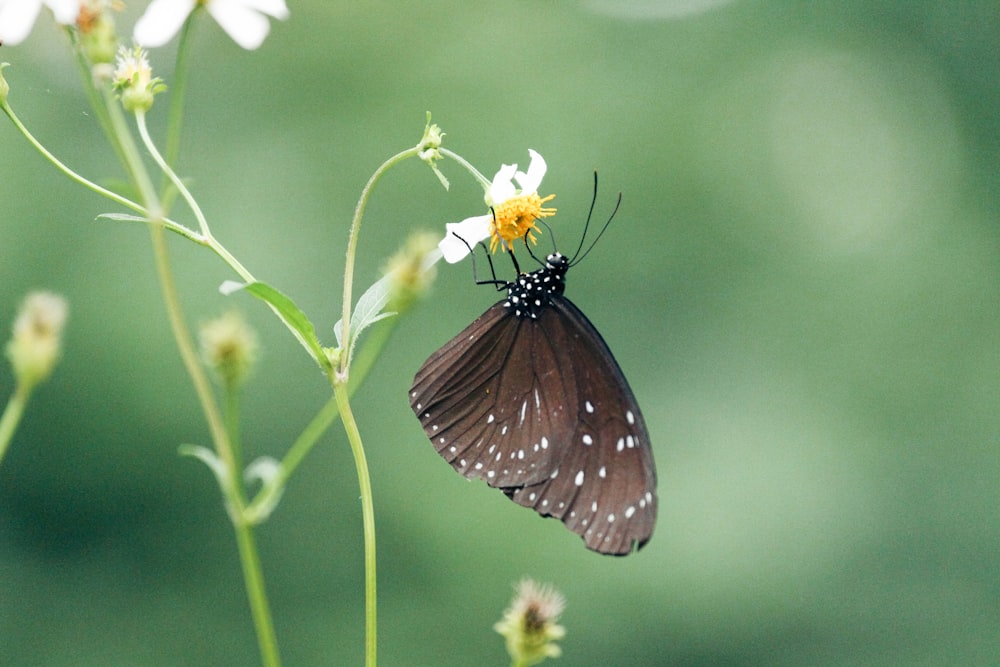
<point>243,20</point>
<point>18,16</point>
<point>513,212</point>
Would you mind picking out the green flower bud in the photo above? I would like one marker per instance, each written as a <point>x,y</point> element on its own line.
<point>411,270</point>
<point>429,147</point>
<point>36,344</point>
<point>229,347</point>
<point>529,625</point>
<point>133,79</point>
<point>97,30</point>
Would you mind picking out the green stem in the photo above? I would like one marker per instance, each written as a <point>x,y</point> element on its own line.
<point>352,251</point>
<point>140,119</point>
<point>231,415</point>
<point>253,578</point>
<point>252,573</point>
<point>175,115</point>
<point>485,182</point>
<point>368,518</point>
<point>113,196</point>
<point>90,85</point>
<point>362,365</point>
<point>12,416</point>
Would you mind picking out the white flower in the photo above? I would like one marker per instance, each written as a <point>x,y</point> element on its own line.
<point>18,16</point>
<point>243,20</point>
<point>512,216</point>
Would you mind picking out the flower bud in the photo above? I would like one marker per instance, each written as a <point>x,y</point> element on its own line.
<point>133,79</point>
<point>529,625</point>
<point>37,341</point>
<point>429,147</point>
<point>97,30</point>
<point>229,347</point>
<point>411,270</point>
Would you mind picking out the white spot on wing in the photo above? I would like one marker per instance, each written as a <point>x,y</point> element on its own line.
<point>579,479</point>
<point>587,440</point>
<point>630,417</point>
<point>589,406</point>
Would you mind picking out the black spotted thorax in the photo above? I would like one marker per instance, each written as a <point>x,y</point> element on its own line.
<point>529,294</point>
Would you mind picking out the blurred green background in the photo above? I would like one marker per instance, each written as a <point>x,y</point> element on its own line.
<point>802,284</point>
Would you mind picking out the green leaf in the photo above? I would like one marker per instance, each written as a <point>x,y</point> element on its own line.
<point>290,314</point>
<point>367,312</point>
<point>123,217</point>
<point>267,471</point>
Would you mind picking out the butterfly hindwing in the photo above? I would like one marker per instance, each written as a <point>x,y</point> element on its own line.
<point>604,484</point>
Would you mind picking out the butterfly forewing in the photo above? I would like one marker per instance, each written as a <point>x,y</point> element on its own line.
<point>481,403</point>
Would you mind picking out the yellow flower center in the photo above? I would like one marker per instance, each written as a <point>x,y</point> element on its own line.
<point>515,219</point>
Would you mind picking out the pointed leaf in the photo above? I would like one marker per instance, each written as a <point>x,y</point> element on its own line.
<point>285,308</point>
<point>367,312</point>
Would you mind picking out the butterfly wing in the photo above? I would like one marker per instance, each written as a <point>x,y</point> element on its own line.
<point>540,409</point>
<point>604,485</point>
<point>479,400</point>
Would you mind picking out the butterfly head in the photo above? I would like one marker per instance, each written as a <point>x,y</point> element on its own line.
<point>557,263</point>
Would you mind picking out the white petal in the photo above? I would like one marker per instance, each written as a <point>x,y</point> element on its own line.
<point>536,171</point>
<point>471,230</point>
<point>16,19</point>
<point>65,11</point>
<point>161,21</point>
<point>276,8</point>
<point>246,26</point>
<point>502,187</point>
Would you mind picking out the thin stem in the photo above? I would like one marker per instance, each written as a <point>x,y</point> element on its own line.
<point>175,116</point>
<point>368,519</point>
<point>206,233</point>
<point>113,196</point>
<point>485,182</point>
<point>252,573</point>
<point>352,250</point>
<point>231,415</point>
<point>87,75</point>
<point>140,119</point>
<point>315,429</point>
<point>186,347</point>
<point>253,578</point>
<point>12,416</point>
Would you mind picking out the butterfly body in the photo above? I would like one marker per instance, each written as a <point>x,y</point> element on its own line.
<point>530,399</point>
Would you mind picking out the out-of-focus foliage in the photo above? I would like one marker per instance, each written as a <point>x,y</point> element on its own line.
<point>802,284</point>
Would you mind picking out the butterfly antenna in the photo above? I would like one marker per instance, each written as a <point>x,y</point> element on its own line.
<point>577,258</point>
<point>586,225</point>
<point>527,246</point>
